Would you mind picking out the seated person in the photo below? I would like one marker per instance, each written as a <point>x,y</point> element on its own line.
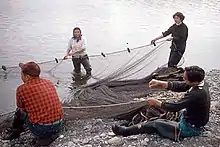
<point>38,107</point>
<point>194,108</point>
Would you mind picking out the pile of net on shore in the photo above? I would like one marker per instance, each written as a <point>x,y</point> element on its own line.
<point>120,99</point>
<point>117,88</point>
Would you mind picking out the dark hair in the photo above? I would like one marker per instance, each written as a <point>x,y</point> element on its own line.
<point>180,15</point>
<point>74,37</point>
<point>195,73</point>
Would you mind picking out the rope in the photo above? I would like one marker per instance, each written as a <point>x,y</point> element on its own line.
<point>96,55</point>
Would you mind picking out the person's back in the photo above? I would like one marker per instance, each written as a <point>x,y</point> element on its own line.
<point>38,107</point>
<point>40,100</point>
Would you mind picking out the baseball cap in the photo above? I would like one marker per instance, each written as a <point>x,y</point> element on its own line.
<point>30,68</point>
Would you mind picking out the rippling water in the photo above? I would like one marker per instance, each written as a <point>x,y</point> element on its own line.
<point>39,30</point>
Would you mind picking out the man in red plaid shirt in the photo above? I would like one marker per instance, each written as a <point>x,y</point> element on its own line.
<point>38,106</point>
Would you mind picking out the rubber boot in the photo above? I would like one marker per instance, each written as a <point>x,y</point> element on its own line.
<point>134,130</point>
<point>88,75</point>
<point>39,141</point>
<point>17,126</point>
<point>165,128</point>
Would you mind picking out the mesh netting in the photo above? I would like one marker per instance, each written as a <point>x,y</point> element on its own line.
<point>117,80</point>
<point>125,64</point>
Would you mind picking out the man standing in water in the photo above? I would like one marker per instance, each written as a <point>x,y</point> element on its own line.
<point>38,107</point>
<point>179,35</point>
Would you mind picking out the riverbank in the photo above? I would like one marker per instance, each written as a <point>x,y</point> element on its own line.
<point>97,132</point>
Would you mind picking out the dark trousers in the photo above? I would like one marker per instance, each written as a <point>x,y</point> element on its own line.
<point>174,58</point>
<point>41,131</point>
<point>166,128</point>
<point>85,62</point>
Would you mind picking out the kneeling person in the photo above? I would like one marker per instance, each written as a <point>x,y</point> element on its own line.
<point>38,106</point>
<point>194,108</point>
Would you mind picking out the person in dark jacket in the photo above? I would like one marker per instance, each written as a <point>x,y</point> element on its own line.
<point>194,108</point>
<point>179,35</point>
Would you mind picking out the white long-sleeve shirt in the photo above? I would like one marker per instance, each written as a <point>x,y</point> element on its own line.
<point>74,46</point>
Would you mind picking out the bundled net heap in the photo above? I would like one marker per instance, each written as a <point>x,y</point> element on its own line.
<point>118,85</point>
<point>119,90</point>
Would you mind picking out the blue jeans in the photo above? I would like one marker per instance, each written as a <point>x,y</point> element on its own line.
<point>186,129</point>
<point>43,131</point>
<point>38,130</point>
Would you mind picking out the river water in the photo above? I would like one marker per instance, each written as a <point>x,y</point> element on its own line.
<point>40,30</point>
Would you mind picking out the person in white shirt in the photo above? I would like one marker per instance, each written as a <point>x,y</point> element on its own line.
<point>77,49</point>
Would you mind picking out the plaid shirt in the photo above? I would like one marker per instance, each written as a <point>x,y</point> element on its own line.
<point>38,97</point>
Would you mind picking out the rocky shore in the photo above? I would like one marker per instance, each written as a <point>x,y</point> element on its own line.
<point>97,132</point>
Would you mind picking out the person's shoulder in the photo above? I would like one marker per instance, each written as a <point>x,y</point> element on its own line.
<point>173,25</point>
<point>199,91</point>
<point>83,37</point>
<point>71,39</point>
<point>184,25</point>
<point>46,81</point>
<point>20,87</point>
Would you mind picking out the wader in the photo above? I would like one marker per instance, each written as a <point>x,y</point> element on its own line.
<point>77,61</point>
<point>176,54</point>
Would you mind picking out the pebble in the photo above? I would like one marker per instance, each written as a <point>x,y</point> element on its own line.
<point>87,127</point>
<point>61,136</point>
<point>5,141</point>
<point>103,135</point>
<point>96,137</point>
<point>5,145</point>
<point>98,121</point>
<point>115,141</point>
<point>217,105</point>
<point>166,144</point>
<point>111,134</point>
<point>133,137</point>
<point>145,141</point>
<point>75,140</point>
<point>88,145</point>
<point>73,133</point>
<point>131,146</point>
<point>85,141</point>
<point>207,134</point>
<point>71,144</point>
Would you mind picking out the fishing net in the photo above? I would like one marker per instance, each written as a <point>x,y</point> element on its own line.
<point>119,82</point>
